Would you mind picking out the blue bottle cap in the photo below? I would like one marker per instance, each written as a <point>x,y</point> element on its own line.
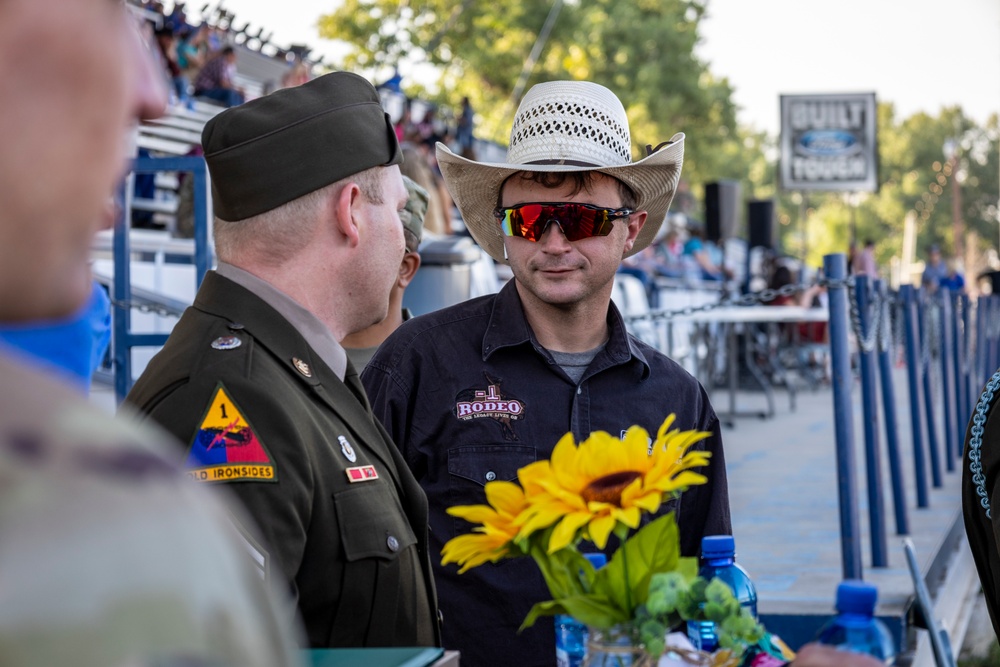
<point>598,560</point>
<point>856,597</point>
<point>718,546</point>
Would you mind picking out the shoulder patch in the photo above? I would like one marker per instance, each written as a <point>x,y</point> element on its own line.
<point>225,448</point>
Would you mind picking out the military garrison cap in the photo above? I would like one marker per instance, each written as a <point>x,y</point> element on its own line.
<point>277,148</point>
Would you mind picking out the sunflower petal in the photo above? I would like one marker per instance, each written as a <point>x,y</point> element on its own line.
<point>600,528</point>
<point>566,531</point>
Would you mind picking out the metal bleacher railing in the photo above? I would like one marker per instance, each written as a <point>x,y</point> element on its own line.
<point>124,339</point>
<point>950,346</point>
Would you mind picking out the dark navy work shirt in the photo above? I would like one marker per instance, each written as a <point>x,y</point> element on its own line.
<point>469,396</point>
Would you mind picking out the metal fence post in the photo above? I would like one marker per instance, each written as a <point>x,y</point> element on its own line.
<point>957,357</point>
<point>979,369</point>
<point>927,375</point>
<point>873,465</point>
<point>968,391</point>
<point>835,268</point>
<point>913,365</point>
<point>948,389</point>
<point>889,409</point>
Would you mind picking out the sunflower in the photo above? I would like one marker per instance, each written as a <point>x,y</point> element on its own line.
<point>606,481</point>
<point>493,539</point>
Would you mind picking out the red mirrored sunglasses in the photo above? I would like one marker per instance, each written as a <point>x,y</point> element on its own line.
<point>577,221</point>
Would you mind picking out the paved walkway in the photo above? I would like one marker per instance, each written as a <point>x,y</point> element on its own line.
<point>783,490</point>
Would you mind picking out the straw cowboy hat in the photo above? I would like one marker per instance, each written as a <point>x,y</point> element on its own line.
<point>565,126</point>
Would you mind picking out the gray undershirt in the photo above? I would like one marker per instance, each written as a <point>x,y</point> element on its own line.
<point>575,363</point>
<point>316,334</point>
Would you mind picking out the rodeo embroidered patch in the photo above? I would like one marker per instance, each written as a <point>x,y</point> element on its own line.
<point>488,403</point>
<point>225,447</point>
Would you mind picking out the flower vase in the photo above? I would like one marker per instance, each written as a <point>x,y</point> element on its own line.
<point>615,647</point>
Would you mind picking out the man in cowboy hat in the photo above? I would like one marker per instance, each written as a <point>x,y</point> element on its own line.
<point>473,392</point>
<point>307,193</point>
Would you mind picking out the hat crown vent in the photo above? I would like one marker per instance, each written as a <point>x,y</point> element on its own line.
<point>562,125</point>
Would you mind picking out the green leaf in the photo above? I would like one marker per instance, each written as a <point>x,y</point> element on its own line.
<point>655,548</point>
<point>562,570</point>
<point>591,610</point>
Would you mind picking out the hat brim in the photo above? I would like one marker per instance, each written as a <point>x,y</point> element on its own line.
<point>475,186</point>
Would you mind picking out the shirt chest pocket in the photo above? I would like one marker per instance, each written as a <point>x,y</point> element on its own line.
<point>372,524</point>
<point>472,466</point>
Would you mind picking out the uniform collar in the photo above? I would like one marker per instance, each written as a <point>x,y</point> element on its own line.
<point>508,327</point>
<point>316,334</point>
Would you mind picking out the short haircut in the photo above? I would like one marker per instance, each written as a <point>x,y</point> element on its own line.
<point>581,181</point>
<point>276,236</point>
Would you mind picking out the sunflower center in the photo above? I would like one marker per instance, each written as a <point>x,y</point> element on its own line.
<point>608,489</point>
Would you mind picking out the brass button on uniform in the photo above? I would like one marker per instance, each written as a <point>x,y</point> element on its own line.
<point>392,543</point>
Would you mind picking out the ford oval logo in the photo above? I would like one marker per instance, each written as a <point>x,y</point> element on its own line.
<point>827,143</point>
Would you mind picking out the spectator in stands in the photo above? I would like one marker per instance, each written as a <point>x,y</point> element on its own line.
<point>954,280</point>
<point>167,44</point>
<point>935,270</point>
<point>992,275</point>
<point>361,345</point>
<point>296,75</point>
<point>108,554</point>
<point>863,263</point>
<point>699,254</point>
<point>191,50</point>
<point>216,79</point>
<point>438,218</point>
<point>464,130</point>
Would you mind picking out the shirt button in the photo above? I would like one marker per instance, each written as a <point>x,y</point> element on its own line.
<point>392,543</point>
<point>579,390</point>
<point>490,476</point>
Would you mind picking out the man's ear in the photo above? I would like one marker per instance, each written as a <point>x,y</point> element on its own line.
<point>408,268</point>
<point>346,209</point>
<point>635,223</point>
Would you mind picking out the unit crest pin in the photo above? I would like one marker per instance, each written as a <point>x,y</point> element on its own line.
<point>226,343</point>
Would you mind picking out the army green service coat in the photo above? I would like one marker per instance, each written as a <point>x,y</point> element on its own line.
<point>262,415</point>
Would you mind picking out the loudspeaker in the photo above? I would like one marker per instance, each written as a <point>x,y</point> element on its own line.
<point>721,209</point>
<point>760,215</point>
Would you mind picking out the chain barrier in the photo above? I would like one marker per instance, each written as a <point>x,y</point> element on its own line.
<point>149,308</point>
<point>748,299</point>
<point>866,343</point>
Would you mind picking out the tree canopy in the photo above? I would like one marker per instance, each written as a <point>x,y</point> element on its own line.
<point>644,51</point>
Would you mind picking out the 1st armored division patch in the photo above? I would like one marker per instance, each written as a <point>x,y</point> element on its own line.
<point>225,447</point>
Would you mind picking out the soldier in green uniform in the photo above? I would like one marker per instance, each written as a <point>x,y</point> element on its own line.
<point>108,555</point>
<point>307,196</point>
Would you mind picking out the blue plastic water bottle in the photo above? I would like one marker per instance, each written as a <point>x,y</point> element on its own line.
<point>572,635</point>
<point>855,627</point>
<point>718,560</point>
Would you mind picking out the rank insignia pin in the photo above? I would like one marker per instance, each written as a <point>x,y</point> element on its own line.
<point>226,343</point>
<point>347,449</point>
<point>302,367</point>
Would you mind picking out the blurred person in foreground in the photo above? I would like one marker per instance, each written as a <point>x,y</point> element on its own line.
<point>253,381</point>
<point>474,392</point>
<point>108,555</point>
<point>361,345</point>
